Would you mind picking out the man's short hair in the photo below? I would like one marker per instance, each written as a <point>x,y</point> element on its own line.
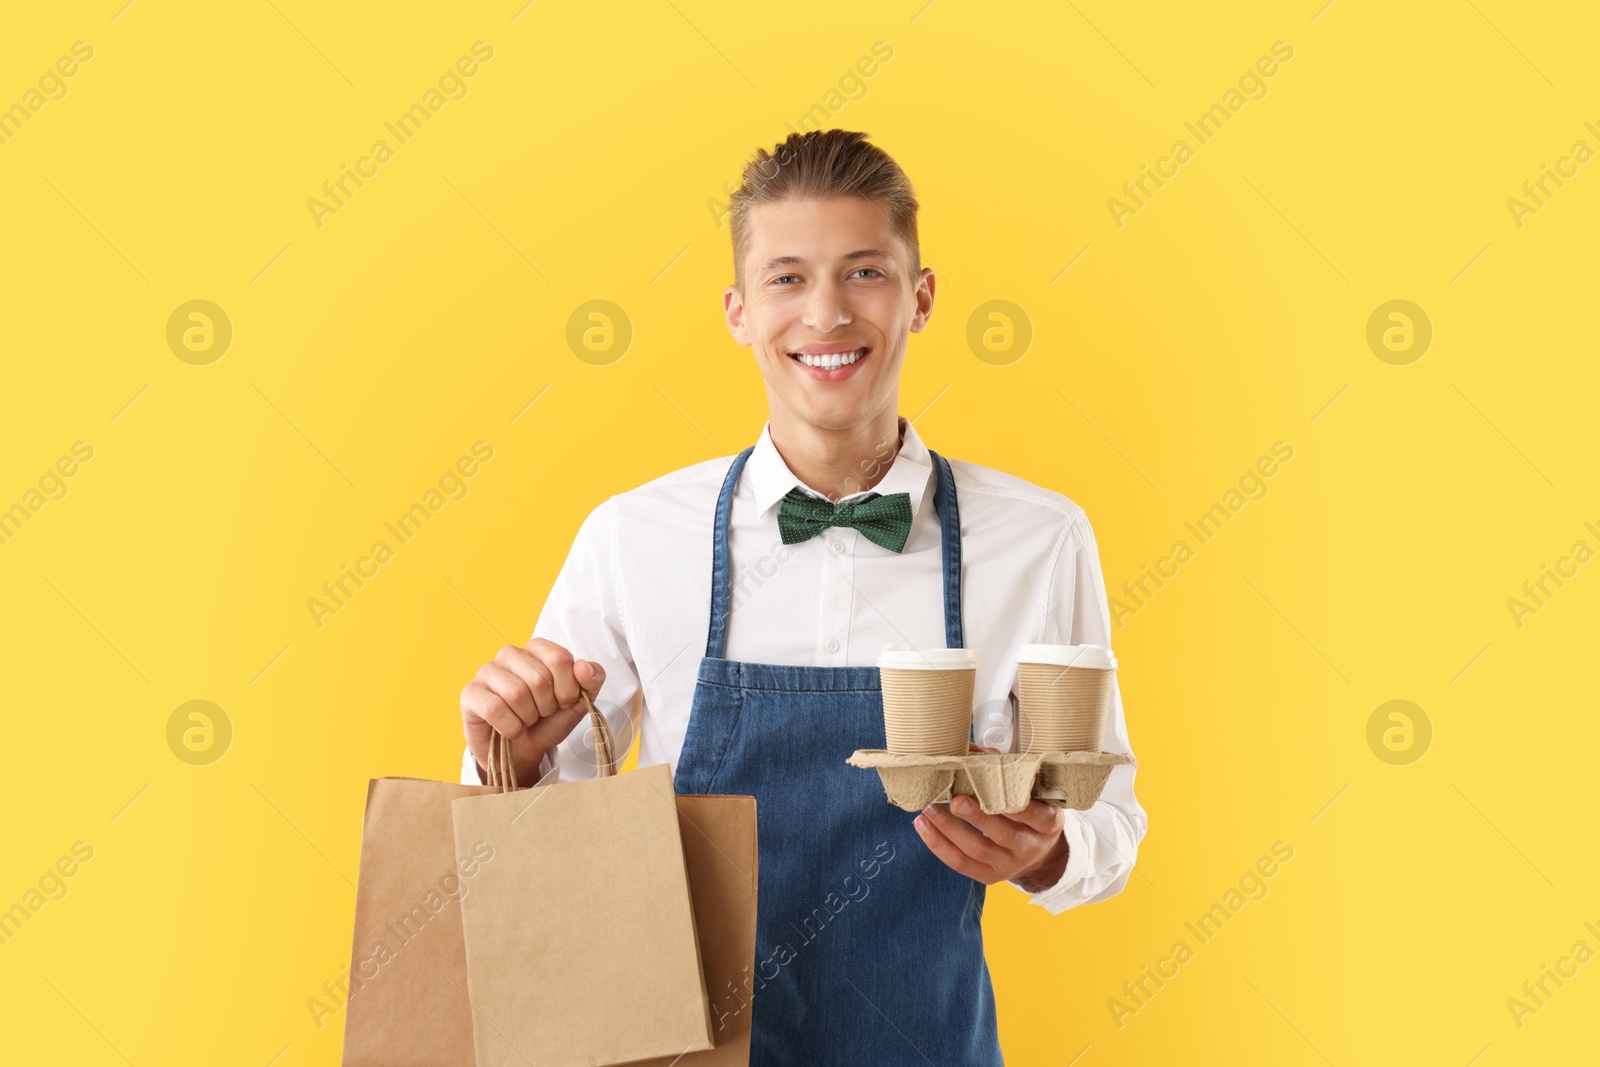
<point>819,165</point>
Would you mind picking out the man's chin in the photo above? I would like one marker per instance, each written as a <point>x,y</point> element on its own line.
<point>831,414</point>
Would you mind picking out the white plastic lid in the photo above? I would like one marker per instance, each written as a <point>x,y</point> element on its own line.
<point>905,658</point>
<point>1095,657</point>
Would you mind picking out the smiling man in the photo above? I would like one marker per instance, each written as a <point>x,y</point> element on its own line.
<point>794,562</point>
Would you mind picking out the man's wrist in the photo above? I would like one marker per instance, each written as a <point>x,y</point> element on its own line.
<point>1048,871</point>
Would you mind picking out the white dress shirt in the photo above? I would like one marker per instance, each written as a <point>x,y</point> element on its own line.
<point>634,596</point>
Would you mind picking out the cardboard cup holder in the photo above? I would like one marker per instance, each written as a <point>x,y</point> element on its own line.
<point>1001,782</point>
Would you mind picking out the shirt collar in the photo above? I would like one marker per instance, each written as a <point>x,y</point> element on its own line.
<point>771,477</point>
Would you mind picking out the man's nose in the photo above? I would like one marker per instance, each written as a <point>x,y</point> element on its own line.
<point>825,308</point>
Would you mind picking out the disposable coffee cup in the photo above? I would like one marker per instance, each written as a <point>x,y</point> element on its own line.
<point>1065,697</point>
<point>927,699</point>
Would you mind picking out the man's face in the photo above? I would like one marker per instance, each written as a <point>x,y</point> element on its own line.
<point>828,277</point>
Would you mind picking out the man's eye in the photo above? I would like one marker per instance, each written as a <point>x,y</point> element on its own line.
<point>873,270</point>
<point>783,276</point>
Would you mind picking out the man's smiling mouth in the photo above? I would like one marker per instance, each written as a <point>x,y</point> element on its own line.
<point>830,360</point>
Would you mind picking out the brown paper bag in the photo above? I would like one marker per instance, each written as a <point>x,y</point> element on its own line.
<point>581,940</point>
<point>408,971</point>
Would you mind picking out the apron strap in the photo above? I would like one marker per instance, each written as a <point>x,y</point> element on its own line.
<point>717,638</point>
<point>944,501</point>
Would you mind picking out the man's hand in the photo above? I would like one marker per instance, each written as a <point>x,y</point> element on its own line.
<point>530,695</point>
<point>1026,846</point>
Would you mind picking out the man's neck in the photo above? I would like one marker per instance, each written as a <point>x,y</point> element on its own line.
<point>837,463</point>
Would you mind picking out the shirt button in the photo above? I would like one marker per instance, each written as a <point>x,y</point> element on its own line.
<point>838,546</point>
<point>832,645</point>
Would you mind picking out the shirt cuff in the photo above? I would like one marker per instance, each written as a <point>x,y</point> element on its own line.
<point>1061,896</point>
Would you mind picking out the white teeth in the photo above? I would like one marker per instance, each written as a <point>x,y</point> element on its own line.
<point>833,360</point>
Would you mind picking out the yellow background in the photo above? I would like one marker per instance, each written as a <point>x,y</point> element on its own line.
<point>1229,313</point>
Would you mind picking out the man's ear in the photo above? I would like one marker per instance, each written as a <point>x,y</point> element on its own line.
<point>923,295</point>
<point>733,311</point>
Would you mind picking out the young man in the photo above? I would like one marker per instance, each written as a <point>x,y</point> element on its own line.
<point>798,559</point>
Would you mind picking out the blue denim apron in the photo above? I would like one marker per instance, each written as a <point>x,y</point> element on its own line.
<point>869,950</point>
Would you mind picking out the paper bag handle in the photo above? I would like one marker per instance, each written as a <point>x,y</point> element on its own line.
<point>502,770</point>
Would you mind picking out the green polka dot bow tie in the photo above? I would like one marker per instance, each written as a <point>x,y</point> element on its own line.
<point>885,520</point>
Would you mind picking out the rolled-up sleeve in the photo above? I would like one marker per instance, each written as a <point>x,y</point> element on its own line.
<point>1103,841</point>
<point>583,614</point>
